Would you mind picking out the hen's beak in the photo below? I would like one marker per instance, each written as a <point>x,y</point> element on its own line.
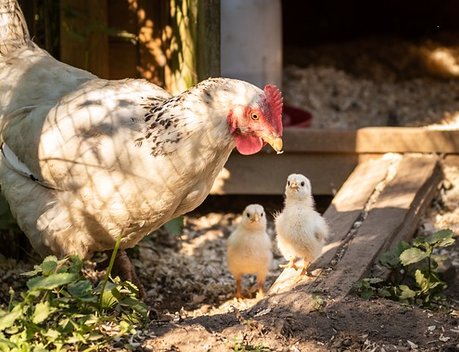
<point>275,142</point>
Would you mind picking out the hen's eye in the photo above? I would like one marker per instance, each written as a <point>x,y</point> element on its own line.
<point>254,116</point>
<point>302,184</point>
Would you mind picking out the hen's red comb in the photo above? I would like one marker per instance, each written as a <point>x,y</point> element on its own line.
<point>275,101</point>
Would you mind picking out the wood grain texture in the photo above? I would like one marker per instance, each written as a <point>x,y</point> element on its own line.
<point>393,216</point>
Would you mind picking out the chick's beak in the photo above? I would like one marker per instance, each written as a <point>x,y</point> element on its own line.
<point>275,142</point>
<point>255,218</point>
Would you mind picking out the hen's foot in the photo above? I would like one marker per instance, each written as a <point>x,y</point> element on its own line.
<point>124,268</point>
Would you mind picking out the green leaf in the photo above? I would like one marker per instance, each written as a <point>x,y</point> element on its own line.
<point>367,293</point>
<point>49,266</point>
<point>108,299</point>
<point>81,289</point>
<point>7,320</point>
<point>412,255</point>
<point>391,258</point>
<point>406,292</point>
<point>52,281</point>
<point>52,334</point>
<point>421,280</point>
<point>174,226</point>
<point>136,305</point>
<point>443,238</point>
<point>41,312</point>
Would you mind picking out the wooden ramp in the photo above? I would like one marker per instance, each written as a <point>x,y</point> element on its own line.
<point>379,205</point>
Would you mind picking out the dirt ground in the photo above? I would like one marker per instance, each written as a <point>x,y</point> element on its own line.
<point>197,311</point>
<point>191,292</point>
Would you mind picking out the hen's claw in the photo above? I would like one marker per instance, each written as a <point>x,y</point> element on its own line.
<point>124,268</point>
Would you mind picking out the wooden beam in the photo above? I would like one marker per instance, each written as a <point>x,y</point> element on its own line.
<point>372,140</point>
<point>327,157</point>
<point>267,173</point>
<point>84,40</point>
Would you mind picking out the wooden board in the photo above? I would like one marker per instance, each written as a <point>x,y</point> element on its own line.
<point>372,140</point>
<point>267,173</point>
<point>327,157</point>
<point>342,213</point>
<point>395,211</point>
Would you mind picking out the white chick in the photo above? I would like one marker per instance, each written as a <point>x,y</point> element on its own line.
<point>249,249</point>
<point>301,230</point>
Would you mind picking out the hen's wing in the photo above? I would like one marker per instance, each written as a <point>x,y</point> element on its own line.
<point>72,120</point>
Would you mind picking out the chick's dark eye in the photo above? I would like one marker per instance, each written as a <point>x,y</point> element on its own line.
<point>262,214</point>
<point>254,116</point>
<point>248,215</point>
<point>288,183</point>
<point>302,184</point>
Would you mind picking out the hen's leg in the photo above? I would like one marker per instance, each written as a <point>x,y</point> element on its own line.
<point>124,268</point>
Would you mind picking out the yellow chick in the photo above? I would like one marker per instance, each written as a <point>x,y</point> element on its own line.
<point>301,230</point>
<point>249,249</point>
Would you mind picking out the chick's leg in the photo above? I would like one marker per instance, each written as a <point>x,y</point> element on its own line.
<point>238,287</point>
<point>305,269</point>
<point>261,285</point>
<point>290,264</point>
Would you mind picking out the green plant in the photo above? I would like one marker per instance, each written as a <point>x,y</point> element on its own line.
<point>245,347</point>
<point>62,310</point>
<point>414,277</point>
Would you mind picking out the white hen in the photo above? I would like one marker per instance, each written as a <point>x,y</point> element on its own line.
<point>301,230</point>
<point>249,248</point>
<point>85,160</point>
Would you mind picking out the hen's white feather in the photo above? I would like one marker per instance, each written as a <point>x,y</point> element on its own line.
<point>121,155</point>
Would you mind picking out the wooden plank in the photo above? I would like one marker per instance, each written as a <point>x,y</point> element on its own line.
<point>396,204</point>
<point>84,41</point>
<point>154,39</point>
<point>208,39</point>
<point>122,19</point>
<point>372,140</point>
<point>326,157</point>
<point>267,173</point>
<point>342,213</point>
<point>420,204</point>
<point>451,160</point>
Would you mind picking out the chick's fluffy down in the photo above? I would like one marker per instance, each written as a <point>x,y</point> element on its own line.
<point>249,246</point>
<point>301,230</point>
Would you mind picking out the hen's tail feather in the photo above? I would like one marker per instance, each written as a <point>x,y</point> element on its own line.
<point>13,28</point>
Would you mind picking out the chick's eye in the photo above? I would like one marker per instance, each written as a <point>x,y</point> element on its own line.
<point>254,116</point>
<point>288,183</point>
<point>262,214</point>
<point>302,184</point>
<point>248,215</point>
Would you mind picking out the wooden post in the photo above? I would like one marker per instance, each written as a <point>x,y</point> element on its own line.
<point>194,52</point>
<point>208,39</point>
<point>84,39</point>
